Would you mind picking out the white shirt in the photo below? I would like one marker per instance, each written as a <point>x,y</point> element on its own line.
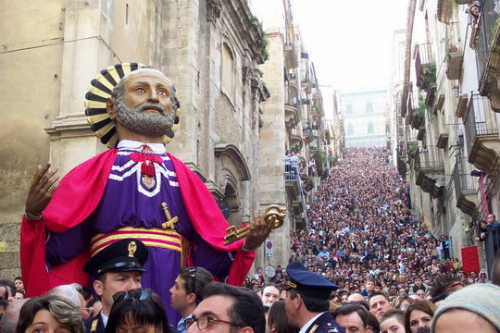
<point>104,319</point>
<point>157,148</point>
<point>306,326</point>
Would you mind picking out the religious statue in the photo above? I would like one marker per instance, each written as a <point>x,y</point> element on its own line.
<point>133,190</point>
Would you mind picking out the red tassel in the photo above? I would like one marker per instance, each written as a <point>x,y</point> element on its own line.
<point>148,159</point>
<point>148,168</point>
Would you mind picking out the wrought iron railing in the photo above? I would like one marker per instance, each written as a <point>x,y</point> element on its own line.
<point>428,159</point>
<point>475,121</point>
<point>465,184</point>
<point>483,37</point>
<point>424,62</point>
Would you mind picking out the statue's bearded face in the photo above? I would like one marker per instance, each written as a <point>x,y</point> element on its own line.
<point>144,104</point>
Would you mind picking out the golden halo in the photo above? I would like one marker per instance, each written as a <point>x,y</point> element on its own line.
<point>98,93</point>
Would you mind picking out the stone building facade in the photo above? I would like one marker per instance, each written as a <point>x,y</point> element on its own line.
<point>364,114</point>
<point>211,49</point>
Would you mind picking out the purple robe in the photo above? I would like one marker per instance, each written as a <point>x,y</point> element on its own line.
<point>128,202</point>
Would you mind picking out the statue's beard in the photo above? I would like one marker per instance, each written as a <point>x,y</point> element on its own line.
<point>145,123</point>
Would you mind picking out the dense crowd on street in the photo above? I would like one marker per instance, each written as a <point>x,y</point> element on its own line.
<point>361,231</point>
<point>363,236</point>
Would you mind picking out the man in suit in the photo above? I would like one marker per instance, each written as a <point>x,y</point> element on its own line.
<point>116,267</point>
<point>307,301</point>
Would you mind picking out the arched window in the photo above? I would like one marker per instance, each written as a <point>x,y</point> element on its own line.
<point>228,76</point>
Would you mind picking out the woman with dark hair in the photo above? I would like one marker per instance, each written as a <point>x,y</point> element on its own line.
<point>277,321</point>
<point>49,313</point>
<point>418,317</point>
<point>137,309</point>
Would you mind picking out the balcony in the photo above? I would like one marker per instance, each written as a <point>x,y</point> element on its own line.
<point>442,141</point>
<point>307,134</point>
<point>486,41</point>
<point>454,60</point>
<point>417,117</point>
<point>292,183</point>
<point>465,190</point>
<point>462,106</point>
<point>483,144</point>
<point>429,169</point>
<point>425,67</point>
<point>291,115</point>
<point>431,96</point>
<point>296,142</point>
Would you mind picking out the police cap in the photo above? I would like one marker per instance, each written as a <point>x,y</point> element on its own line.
<point>124,255</point>
<point>308,283</point>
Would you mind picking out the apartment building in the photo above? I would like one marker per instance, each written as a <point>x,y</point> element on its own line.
<point>449,145</point>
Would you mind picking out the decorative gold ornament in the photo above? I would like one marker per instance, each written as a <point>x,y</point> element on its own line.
<point>132,248</point>
<point>274,215</point>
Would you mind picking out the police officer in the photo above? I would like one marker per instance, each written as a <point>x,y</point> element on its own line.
<point>307,300</point>
<point>115,267</point>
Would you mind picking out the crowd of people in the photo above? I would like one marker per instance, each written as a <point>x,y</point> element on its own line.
<point>363,264</point>
<point>145,234</point>
<point>363,237</point>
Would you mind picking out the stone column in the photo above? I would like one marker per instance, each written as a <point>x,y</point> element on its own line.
<point>272,147</point>
<point>87,33</point>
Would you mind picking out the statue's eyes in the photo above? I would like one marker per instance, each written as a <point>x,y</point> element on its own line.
<point>163,92</point>
<point>140,90</point>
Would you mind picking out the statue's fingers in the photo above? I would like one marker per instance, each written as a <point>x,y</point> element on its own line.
<point>40,171</point>
<point>52,185</point>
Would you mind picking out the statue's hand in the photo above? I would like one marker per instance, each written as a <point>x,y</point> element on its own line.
<point>259,231</point>
<point>42,188</point>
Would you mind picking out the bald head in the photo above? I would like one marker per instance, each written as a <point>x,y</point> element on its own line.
<point>355,298</point>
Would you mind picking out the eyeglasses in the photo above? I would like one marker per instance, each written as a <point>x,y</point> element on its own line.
<point>205,322</point>
<point>136,294</point>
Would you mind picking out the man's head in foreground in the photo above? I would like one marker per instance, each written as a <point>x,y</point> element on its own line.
<point>227,309</point>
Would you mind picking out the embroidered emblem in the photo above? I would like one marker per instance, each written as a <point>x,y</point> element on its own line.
<point>148,182</point>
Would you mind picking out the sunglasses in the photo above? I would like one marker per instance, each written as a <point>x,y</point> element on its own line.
<point>139,295</point>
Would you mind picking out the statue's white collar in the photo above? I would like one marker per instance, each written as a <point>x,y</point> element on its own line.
<point>158,148</point>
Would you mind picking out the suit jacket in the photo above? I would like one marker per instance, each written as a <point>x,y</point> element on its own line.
<point>95,324</point>
<point>325,324</point>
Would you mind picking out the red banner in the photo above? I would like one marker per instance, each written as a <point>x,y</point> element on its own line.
<point>470,259</point>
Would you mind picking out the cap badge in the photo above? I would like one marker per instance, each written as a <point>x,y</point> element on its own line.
<point>132,248</point>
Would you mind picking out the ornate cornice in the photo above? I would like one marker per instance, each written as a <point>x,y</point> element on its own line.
<point>214,9</point>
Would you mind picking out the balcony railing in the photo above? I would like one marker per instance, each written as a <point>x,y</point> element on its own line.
<point>465,186</point>
<point>428,160</point>
<point>483,37</point>
<point>475,122</point>
<point>425,66</point>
